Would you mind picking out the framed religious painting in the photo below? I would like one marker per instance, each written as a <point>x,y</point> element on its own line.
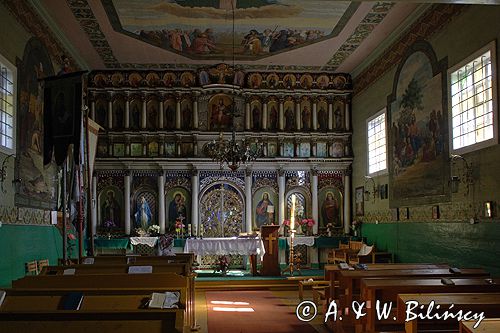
<point>359,200</point>
<point>135,149</point>
<point>272,149</point>
<point>288,149</point>
<point>305,149</point>
<point>119,150</point>
<point>321,149</point>
<point>170,149</point>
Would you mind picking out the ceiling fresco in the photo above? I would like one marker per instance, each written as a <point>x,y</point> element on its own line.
<point>203,29</point>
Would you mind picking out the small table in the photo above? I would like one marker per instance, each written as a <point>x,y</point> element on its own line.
<point>144,245</point>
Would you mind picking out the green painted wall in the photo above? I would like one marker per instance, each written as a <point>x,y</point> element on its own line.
<point>20,244</point>
<point>421,239</point>
<point>459,244</point>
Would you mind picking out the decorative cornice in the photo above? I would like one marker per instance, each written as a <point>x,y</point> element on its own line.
<point>432,21</point>
<point>24,13</point>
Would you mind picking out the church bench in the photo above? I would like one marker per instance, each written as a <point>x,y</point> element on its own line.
<point>140,260</point>
<point>101,311</point>
<point>117,283</point>
<point>490,325</point>
<point>386,290</point>
<point>178,268</point>
<point>476,302</point>
<point>332,272</point>
<point>349,281</point>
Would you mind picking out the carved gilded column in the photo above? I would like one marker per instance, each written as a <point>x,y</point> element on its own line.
<point>194,202</point>
<point>248,199</point>
<point>144,113</point>
<point>128,182</point>
<point>195,111</point>
<point>347,201</point>
<point>127,110</point>
<point>247,115</point>
<point>315,115</point>
<point>161,203</point>
<point>281,196</point>
<point>162,116</point>
<point>264,115</point>
<point>330,114</point>
<point>178,112</point>
<point>281,117</point>
<point>110,110</point>
<point>92,108</point>
<point>314,191</point>
<point>347,115</point>
<point>298,120</point>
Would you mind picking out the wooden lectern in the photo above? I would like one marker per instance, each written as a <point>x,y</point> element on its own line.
<point>270,262</point>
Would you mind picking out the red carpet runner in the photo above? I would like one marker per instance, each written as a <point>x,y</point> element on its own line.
<point>231,312</point>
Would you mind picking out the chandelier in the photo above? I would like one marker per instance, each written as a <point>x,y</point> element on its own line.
<point>231,152</point>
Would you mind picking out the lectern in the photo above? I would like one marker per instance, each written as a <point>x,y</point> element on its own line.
<point>270,262</point>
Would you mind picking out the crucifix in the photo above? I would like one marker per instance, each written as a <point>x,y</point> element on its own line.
<point>270,240</point>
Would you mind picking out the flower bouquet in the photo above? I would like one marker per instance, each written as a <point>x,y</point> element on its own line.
<point>222,265</point>
<point>179,227</point>
<point>154,230</point>
<point>355,226</point>
<point>329,229</point>
<point>306,225</point>
<point>286,227</point>
<point>109,225</point>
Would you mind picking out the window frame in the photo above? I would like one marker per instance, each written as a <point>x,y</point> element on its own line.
<point>368,120</point>
<point>12,68</point>
<point>491,46</point>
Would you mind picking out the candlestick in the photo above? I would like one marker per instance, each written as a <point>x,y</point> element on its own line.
<point>292,217</point>
<point>189,230</point>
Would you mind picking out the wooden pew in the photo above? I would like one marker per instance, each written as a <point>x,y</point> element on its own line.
<point>116,283</point>
<point>100,311</point>
<point>178,268</point>
<point>139,260</point>
<point>476,303</point>
<point>332,272</point>
<point>386,290</point>
<point>490,325</point>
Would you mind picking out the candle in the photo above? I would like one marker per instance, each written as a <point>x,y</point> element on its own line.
<point>189,230</point>
<point>292,217</point>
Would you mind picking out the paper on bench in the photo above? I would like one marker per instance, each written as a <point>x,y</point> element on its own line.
<point>140,269</point>
<point>69,271</point>
<point>88,261</point>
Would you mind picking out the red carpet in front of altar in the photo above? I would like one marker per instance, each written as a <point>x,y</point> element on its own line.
<point>270,314</point>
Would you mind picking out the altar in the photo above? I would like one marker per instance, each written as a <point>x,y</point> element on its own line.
<point>252,247</point>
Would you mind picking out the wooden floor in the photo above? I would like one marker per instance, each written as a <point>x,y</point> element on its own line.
<point>290,298</point>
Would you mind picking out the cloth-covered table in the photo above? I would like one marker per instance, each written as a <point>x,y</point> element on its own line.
<point>223,246</point>
<point>149,241</point>
<point>145,246</point>
<point>302,240</point>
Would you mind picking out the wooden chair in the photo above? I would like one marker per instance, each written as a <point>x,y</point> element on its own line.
<point>363,256</point>
<point>340,254</point>
<point>32,267</point>
<point>42,263</point>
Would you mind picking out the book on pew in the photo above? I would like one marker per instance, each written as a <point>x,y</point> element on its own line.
<point>166,300</point>
<point>455,270</point>
<point>345,266</point>
<point>2,296</point>
<point>69,271</point>
<point>88,261</point>
<point>140,269</point>
<point>72,301</point>
<point>448,282</point>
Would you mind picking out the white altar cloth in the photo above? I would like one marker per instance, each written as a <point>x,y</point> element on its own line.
<point>301,240</point>
<point>223,246</point>
<point>149,241</point>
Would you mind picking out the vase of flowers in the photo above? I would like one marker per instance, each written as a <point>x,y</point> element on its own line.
<point>179,227</point>
<point>356,226</point>
<point>286,228</point>
<point>329,229</point>
<point>154,230</point>
<point>307,225</point>
<point>222,264</point>
<point>109,226</point>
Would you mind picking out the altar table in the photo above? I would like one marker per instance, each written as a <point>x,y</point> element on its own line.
<point>229,245</point>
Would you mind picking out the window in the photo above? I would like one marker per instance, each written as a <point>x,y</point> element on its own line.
<point>377,160</point>
<point>7,96</point>
<point>473,102</point>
